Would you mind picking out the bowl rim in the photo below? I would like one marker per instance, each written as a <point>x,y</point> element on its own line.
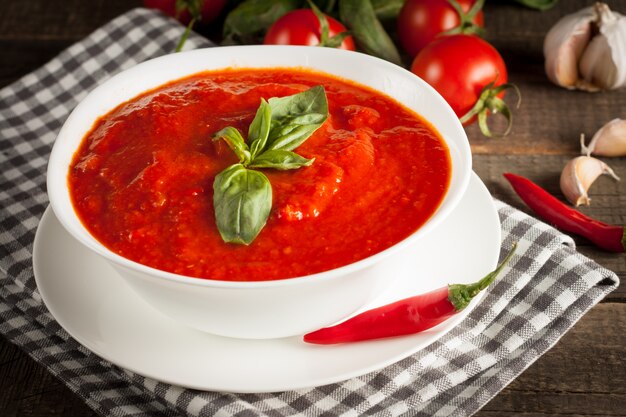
<point>84,236</point>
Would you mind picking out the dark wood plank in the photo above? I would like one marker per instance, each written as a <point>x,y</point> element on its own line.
<point>66,20</point>
<point>28,389</point>
<point>19,57</point>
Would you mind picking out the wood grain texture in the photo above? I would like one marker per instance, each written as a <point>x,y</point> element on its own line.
<point>584,374</point>
<point>28,389</point>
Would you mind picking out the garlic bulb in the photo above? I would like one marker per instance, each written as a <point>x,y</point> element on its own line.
<point>610,140</point>
<point>587,50</point>
<point>579,174</point>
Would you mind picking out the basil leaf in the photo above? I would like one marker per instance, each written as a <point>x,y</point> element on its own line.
<point>326,5</point>
<point>254,16</point>
<point>260,128</point>
<point>359,17</point>
<point>296,117</point>
<point>235,142</point>
<point>538,4</point>
<point>242,199</point>
<point>387,9</point>
<point>280,159</point>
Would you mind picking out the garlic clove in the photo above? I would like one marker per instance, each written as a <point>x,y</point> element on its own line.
<point>610,140</point>
<point>603,62</point>
<point>564,45</point>
<point>578,175</point>
<point>597,68</point>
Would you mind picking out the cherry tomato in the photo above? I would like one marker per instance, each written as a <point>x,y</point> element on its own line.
<point>421,21</point>
<point>302,27</point>
<point>459,67</point>
<point>210,9</point>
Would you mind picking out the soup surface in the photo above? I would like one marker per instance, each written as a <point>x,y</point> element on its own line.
<point>141,181</point>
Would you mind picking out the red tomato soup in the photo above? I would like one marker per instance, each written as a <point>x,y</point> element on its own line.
<point>142,179</point>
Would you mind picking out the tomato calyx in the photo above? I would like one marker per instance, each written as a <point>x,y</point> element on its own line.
<point>489,102</point>
<point>325,38</point>
<point>466,25</point>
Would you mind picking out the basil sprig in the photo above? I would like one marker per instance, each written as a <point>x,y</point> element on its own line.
<point>242,196</point>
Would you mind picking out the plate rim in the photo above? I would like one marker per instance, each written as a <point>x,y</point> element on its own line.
<point>340,377</point>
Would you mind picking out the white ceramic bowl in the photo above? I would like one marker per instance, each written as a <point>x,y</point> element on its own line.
<point>267,309</point>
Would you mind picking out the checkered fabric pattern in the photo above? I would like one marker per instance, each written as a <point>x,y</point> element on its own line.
<point>547,287</point>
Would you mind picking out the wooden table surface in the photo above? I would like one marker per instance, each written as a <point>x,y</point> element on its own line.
<point>584,374</point>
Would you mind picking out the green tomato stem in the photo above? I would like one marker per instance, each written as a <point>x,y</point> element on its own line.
<point>183,38</point>
<point>466,25</point>
<point>489,102</point>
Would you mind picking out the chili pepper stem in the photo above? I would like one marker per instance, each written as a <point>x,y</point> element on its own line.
<point>460,295</point>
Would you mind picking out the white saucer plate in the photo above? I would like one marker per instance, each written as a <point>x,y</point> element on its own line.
<point>96,307</point>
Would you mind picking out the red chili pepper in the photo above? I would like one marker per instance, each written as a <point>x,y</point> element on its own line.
<point>407,316</point>
<point>608,237</point>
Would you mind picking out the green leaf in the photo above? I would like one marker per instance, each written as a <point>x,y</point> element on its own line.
<point>326,5</point>
<point>296,117</point>
<point>538,4</point>
<point>280,159</point>
<point>254,16</point>
<point>387,9</point>
<point>235,142</point>
<point>259,129</point>
<point>361,20</point>
<point>242,199</point>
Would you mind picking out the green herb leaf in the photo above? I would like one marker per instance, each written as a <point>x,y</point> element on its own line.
<point>242,199</point>
<point>538,4</point>
<point>296,117</point>
<point>252,17</point>
<point>360,18</point>
<point>387,9</point>
<point>260,128</point>
<point>235,142</point>
<point>280,159</point>
<point>326,5</point>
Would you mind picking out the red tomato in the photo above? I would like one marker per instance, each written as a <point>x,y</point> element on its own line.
<point>210,9</point>
<point>459,67</point>
<point>302,27</point>
<point>420,21</point>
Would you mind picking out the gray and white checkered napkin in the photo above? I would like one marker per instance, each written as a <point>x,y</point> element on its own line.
<point>548,288</point>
